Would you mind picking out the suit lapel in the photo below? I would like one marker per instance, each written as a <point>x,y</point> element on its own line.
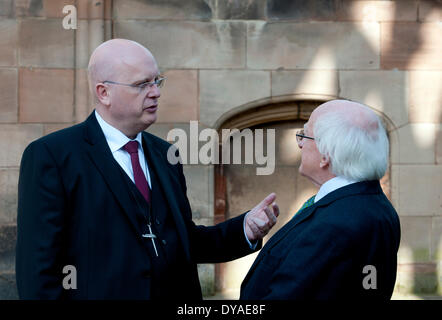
<point>101,156</point>
<point>297,219</point>
<point>165,177</point>
<point>364,187</point>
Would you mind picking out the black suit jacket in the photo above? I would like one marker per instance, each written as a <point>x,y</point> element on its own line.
<point>321,253</point>
<point>74,208</point>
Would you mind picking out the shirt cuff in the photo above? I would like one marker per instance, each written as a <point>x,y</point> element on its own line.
<point>255,243</point>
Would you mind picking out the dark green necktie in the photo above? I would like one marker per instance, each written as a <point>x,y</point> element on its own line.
<point>307,204</point>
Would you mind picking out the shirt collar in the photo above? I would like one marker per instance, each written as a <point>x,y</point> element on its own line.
<point>114,137</point>
<point>332,185</point>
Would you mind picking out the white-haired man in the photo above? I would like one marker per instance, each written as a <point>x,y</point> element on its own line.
<point>343,242</point>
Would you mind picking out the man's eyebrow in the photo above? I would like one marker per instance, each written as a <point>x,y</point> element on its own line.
<point>148,79</point>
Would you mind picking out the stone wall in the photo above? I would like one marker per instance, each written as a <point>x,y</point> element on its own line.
<point>222,57</point>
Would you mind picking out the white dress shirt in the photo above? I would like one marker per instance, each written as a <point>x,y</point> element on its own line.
<point>332,185</point>
<point>116,141</point>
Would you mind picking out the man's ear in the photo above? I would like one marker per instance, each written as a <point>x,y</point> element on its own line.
<point>325,162</point>
<point>102,94</point>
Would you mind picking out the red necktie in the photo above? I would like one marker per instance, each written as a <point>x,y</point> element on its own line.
<point>139,177</point>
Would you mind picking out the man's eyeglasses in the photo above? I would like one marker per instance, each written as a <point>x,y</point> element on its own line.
<point>159,82</point>
<point>300,136</point>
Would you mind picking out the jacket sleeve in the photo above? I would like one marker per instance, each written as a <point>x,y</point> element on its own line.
<point>40,220</point>
<point>308,264</point>
<point>220,243</point>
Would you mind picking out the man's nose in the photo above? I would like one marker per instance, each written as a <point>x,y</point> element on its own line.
<point>154,92</point>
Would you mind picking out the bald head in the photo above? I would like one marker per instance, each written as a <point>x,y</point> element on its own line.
<point>114,59</point>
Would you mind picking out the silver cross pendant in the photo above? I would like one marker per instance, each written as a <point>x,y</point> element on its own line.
<point>152,237</point>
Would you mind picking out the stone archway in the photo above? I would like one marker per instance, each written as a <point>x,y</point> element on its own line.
<point>238,188</point>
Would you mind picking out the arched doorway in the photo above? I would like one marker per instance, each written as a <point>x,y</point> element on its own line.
<point>238,188</point>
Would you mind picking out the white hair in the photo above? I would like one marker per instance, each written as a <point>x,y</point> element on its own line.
<point>358,152</point>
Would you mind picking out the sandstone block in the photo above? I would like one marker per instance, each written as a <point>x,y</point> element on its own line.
<point>189,44</point>
<point>415,240</point>
<point>179,97</point>
<point>14,139</point>
<point>419,190</point>
<point>430,10</point>
<point>377,11</point>
<point>239,10</point>
<point>318,82</point>
<point>8,192</point>
<point>198,190</point>
<point>436,239</point>
<point>162,10</point>
<point>416,143</point>
<point>384,91</point>
<point>45,43</point>
<point>8,95</point>
<point>325,45</point>
<point>7,8</point>
<point>223,90</point>
<point>411,46</point>
<point>425,96</point>
<point>46,95</point>
<point>8,42</point>
<point>439,145</point>
<point>299,10</point>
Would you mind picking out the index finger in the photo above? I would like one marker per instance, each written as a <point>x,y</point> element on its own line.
<point>267,201</point>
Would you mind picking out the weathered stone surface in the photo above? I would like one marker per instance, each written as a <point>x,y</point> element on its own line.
<point>46,95</point>
<point>188,44</point>
<point>84,102</point>
<point>416,143</point>
<point>47,8</point>
<point>394,186</point>
<point>179,97</point>
<point>159,10</point>
<point>439,145</point>
<point>45,43</point>
<point>14,139</point>
<point>8,199</point>
<point>417,278</point>
<point>425,96</point>
<point>377,11</point>
<point>52,127</point>
<point>29,8</point>
<point>8,42</point>
<point>239,10</point>
<point>199,190</point>
<point>411,46</point>
<point>206,274</point>
<point>385,91</point>
<point>8,95</point>
<point>8,287</point>
<point>326,45</point>
<point>316,82</point>
<point>94,9</point>
<point>299,10</point>
<point>415,239</point>
<point>8,237</point>
<point>430,10</point>
<point>224,90</point>
<point>7,8</point>
<point>436,239</point>
<point>419,190</point>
